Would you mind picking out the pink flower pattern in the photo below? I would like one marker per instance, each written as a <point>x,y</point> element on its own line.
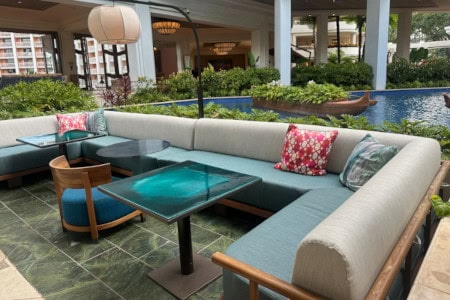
<point>70,122</point>
<point>306,151</point>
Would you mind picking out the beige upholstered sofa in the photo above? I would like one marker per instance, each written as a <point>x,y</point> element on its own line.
<point>354,244</point>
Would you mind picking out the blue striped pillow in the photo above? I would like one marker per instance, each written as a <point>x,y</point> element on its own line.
<point>366,159</point>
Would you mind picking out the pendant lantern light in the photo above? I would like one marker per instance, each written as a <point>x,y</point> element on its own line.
<point>114,24</point>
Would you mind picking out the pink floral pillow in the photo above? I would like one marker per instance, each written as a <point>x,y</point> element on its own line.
<point>306,151</point>
<point>70,122</point>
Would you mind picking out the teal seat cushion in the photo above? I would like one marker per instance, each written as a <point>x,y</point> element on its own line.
<point>137,164</point>
<point>25,157</point>
<point>272,245</point>
<point>107,209</point>
<point>278,188</point>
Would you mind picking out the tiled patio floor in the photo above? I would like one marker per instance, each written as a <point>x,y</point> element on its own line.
<point>66,265</point>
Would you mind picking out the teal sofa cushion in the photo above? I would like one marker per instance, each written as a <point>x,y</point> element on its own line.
<point>136,164</point>
<point>272,245</point>
<point>25,157</point>
<point>278,188</point>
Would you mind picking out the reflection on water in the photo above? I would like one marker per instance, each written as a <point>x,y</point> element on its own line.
<point>413,105</point>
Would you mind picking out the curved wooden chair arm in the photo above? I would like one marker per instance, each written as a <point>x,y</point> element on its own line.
<point>258,277</point>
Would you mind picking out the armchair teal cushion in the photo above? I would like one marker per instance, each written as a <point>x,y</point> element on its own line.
<point>107,209</point>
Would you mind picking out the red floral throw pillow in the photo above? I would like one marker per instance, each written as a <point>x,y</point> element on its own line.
<point>70,122</point>
<point>306,151</point>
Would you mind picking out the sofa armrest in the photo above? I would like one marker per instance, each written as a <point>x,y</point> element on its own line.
<point>383,282</point>
<point>258,277</point>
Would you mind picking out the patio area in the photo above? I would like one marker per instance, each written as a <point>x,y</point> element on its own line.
<point>68,265</point>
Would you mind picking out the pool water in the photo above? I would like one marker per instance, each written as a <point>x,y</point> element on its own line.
<point>412,104</point>
<point>392,106</point>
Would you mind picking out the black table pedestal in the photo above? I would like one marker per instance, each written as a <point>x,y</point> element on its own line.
<point>178,276</point>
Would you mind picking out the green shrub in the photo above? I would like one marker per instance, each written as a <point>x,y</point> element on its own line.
<point>43,97</point>
<point>181,85</point>
<point>347,75</point>
<point>212,82</point>
<point>433,72</point>
<point>311,93</point>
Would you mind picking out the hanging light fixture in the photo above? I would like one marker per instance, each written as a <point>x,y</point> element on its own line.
<point>166,27</point>
<point>225,46</point>
<point>114,24</point>
<point>218,51</point>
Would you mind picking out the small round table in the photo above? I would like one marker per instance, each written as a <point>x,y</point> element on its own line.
<point>133,148</point>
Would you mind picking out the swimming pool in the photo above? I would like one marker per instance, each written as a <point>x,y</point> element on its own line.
<point>392,106</point>
<point>410,104</point>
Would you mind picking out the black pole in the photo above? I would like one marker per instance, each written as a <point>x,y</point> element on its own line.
<point>197,43</point>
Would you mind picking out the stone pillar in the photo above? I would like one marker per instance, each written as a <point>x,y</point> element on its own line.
<point>140,55</point>
<point>283,39</point>
<point>260,47</point>
<point>68,59</point>
<point>321,55</point>
<point>404,34</point>
<point>377,40</point>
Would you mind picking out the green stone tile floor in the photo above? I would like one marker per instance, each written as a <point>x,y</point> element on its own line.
<point>68,265</point>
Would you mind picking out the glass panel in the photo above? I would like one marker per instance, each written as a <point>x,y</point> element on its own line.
<point>47,140</point>
<point>176,191</point>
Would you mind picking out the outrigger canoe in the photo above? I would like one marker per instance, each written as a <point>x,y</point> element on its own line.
<point>332,108</point>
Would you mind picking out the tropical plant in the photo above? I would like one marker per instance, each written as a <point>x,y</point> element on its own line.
<point>430,26</point>
<point>311,93</point>
<point>43,97</point>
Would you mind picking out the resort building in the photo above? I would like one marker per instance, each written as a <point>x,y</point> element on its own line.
<point>24,53</point>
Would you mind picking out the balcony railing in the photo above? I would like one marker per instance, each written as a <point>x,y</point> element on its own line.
<point>6,45</point>
<point>24,54</point>
<point>5,34</point>
<point>6,55</point>
<point>23,44</point>
<point>7,65</point>
<point>26,65</point>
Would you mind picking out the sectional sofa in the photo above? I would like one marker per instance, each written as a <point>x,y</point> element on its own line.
<point>320,239</point>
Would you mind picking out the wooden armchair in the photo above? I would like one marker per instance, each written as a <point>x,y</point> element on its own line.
<point>82,207</point>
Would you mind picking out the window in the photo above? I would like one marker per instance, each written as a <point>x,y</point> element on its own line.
<point>8,50</point>
<point>28,60</point>
<point>11,71</point>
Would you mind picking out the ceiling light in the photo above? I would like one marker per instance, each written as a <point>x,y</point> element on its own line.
<point>166,27</point>
<point>225,46</point>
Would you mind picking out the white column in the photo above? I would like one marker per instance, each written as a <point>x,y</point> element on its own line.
<point>321,55</point>
<point>404,34</point>
<point>68,59</point>
<point>377,40</point>
<point>180,58</point>
<point>282,39</point>
<point>260,46</point>
<point>140,55</point>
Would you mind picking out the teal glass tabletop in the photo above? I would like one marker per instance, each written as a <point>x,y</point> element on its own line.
<point>176,191</point>
<point>52,139</point>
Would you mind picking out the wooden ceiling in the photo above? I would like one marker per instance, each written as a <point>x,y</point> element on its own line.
<point>28,4</point>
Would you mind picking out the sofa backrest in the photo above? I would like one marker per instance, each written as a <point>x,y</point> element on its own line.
<point>264,140</point>
<point>178,131</point>
<point>342,256</point>
<point>258,140</point>
<point>16,128</point>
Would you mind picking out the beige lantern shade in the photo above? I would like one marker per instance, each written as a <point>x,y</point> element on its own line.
<point>116,24</point>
